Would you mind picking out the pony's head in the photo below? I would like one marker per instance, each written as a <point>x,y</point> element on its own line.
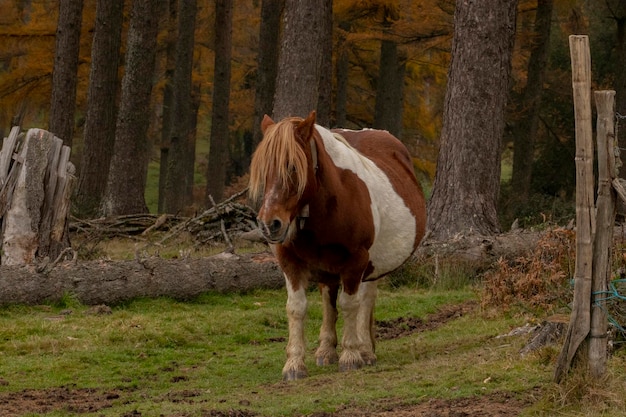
<point>282,173</point>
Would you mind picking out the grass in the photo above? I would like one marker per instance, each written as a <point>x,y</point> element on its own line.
<point>228,350</point>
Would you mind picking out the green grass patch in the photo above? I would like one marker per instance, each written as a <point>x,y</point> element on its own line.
<point>226,352</point>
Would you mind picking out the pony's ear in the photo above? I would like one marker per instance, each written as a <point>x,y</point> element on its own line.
<point>266,122</point>
<point>304,130</point>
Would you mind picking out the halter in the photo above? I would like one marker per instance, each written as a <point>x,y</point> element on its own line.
<point>314,155</point>
<point>304,213</point>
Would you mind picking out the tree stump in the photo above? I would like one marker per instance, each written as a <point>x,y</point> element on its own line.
<point>36,180</point>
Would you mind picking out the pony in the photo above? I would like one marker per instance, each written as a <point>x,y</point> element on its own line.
<point>340,208</point>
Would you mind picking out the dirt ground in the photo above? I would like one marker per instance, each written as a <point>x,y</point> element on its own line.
<point>79,400</point>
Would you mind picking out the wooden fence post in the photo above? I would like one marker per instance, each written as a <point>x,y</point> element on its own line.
<point>605,219</point>
<point>579,325</point>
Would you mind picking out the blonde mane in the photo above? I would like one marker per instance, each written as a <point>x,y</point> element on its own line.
<point>278,156</point>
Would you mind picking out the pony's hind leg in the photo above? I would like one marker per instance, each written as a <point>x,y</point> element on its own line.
<point>366,329</point>
<point>326,354</point>
<point>350,356</point>
<point>358,337</point>
<point>296,311</point>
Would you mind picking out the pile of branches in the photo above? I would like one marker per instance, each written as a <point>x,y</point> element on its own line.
<point>215,225</point>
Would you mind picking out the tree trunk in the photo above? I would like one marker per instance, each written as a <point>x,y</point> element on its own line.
<point>324,100</point>
<point>341,74</point>
<point>64,78</point>
<point>168,98</point>
<point>127,177</point>
<point>218,153</point>
<point>524,141</point>
<point>297,84</point>
<point>467,181</point>
<point>110,282</point>
<point>388,107</point>
<point>182,133</point>
<point>620,75</point>
<point>99,133</point>
<point>267,64</point>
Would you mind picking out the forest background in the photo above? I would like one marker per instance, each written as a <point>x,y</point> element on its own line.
<point>417,32</point>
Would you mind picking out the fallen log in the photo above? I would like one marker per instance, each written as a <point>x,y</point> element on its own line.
<point>112,282</point>
<point>481,251</point>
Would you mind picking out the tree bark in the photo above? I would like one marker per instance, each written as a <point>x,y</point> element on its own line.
<point>111,282</point>
<point>127,177</point>
<point>182,131</point>
<point>64,74</point>
<point>218,153</point>
<point>297,84</point>
<point>99,133</point>
<point>467,181</point>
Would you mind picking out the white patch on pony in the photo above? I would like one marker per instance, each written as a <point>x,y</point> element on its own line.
<point>394,224</point>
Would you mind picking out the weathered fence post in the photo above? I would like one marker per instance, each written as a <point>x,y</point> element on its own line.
<point>579,325</point>
<point>605,219</point>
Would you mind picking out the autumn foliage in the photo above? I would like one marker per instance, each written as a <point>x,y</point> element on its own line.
<point>540,280</point>
<point>422,30</point>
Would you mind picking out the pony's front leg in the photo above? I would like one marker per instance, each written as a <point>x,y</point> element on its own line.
<point>326,354</point>
<point>296,311</point>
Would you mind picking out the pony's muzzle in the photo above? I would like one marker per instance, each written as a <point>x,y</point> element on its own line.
<point>274,232</point>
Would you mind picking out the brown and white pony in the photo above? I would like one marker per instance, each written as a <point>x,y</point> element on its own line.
<point>340,208</point>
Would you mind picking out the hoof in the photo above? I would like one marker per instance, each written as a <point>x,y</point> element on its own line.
<point>294,375</point>
<point>326,359</point>
<point>350,361</point>
<point>353,366</point>
<point>369,359</point>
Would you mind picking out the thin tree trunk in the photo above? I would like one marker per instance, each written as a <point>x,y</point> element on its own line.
<point>620,74</point>
<point>267,63</point>
<point>324,100</point>
<point>388,107</point>
<point>341,74</point>
<point>99,133</point>
<point>181,131</point>
<point>218,153</point>
<point>524,141</point>
<point>64,75</point>
<point>127,177</point>
<point>168,98</point>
